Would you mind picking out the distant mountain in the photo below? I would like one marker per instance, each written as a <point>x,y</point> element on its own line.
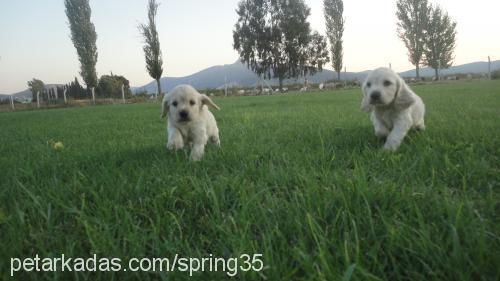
<point>235,75</point>
<point>26,94</point>
<point>238,75</point>
<point>212,77</point>
<point>474,67</point>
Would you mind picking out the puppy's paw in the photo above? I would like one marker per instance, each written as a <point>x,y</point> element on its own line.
<point>391,145</point>
<point>174,146</point>
<point>197,153</point>
<point>216,142</point>
<point>195,157</point>
<point>381,133</point>
<point>420,127</point>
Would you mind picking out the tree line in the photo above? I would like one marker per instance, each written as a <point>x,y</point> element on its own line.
<point>84,37</point>
<point>275,40</point>
<point>428,33</point>
<point>273,37</point>
<point>108,86</point>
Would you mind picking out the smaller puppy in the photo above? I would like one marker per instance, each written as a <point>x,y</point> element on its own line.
<point>189,120</point>
<point>394,109</point>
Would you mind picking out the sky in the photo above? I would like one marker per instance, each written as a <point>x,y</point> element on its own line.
<point>196,34</point>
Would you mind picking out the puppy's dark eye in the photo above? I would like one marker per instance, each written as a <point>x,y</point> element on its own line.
<point>191,102</point>
<point>174,103</point>
<point>387,83</point>
<point>368,84</point>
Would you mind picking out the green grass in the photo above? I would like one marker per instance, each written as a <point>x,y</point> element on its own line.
<point>300,179</point>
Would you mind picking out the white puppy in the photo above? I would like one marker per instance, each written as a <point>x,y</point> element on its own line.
<point>393,107</point>
<point>189,120</point>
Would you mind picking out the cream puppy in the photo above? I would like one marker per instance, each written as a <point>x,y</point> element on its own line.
<point>394,108</point>
<point>189,120</point>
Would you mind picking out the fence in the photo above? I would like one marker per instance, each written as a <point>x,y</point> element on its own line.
<point>13,105</point>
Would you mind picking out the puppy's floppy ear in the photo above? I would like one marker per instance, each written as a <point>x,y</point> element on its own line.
<point>164,106</point>
<point>205,100</point>
<point>405,96</point>
<point>365,103</point>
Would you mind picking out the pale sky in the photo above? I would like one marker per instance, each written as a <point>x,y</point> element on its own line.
<point>195,34</point>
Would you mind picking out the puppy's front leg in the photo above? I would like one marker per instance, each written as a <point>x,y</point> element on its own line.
<point>175,141</point>
<point>381,130</point>
<point>200,139</point>
<point>398,133</point>
<point>215,137</point>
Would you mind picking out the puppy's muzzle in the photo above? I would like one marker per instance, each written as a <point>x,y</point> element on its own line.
<point>183,115</point>
<point>375,97</point>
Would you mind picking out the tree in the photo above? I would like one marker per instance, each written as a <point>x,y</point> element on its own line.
<point>495,74</point>
<point>111,86</point>
<point>251,36</point>
<point>84,39</point>
<point>412,20</point>
<point>36,86</point>
<point>75,90</point>
<point>316,55</point>
<point>271,37</point>
<point>334,10</point>
<point>440,40</point>
<point>152,51</point>
<point>290,35</point>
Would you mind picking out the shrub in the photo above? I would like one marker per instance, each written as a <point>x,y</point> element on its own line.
<point>110,86</point>
<point>495,74</point>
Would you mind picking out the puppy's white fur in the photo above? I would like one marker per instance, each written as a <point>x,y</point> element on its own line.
<point>189,120</point>
<point>397,108</point>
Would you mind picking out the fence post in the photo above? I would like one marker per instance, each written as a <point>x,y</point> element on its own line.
<point>345,76</point>
<point>64,93</point>
<point>38,99</point>
<point>489,68</point>
<point>55,93</point>
<point>225,85</point>
<point>12,102</point>
<point>439,70</point>
<point>123,93</point>
<point>93,94</point>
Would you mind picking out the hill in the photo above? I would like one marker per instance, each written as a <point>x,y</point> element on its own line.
<point>26,94</point>
<point>474,67</point>
<point>238,75</point>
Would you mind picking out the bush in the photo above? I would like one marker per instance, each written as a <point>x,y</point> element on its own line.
<point>142,94</point>
<point>495,74</point>
<point>109,86</point>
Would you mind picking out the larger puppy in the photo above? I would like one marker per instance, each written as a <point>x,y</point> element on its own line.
<point>189,120</point>
<point>394,108</point>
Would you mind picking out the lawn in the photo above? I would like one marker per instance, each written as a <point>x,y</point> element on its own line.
<point>300,179</point>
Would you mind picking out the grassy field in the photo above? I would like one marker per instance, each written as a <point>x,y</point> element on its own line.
<point>300,179</point>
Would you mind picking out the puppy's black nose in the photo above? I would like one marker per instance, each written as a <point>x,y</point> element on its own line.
<point>375,95</point>
<point>183,114</point>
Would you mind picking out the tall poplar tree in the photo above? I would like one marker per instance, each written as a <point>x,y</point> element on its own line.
<point>334,10</point>
<point>152,51</point>
<point>84,39</point>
